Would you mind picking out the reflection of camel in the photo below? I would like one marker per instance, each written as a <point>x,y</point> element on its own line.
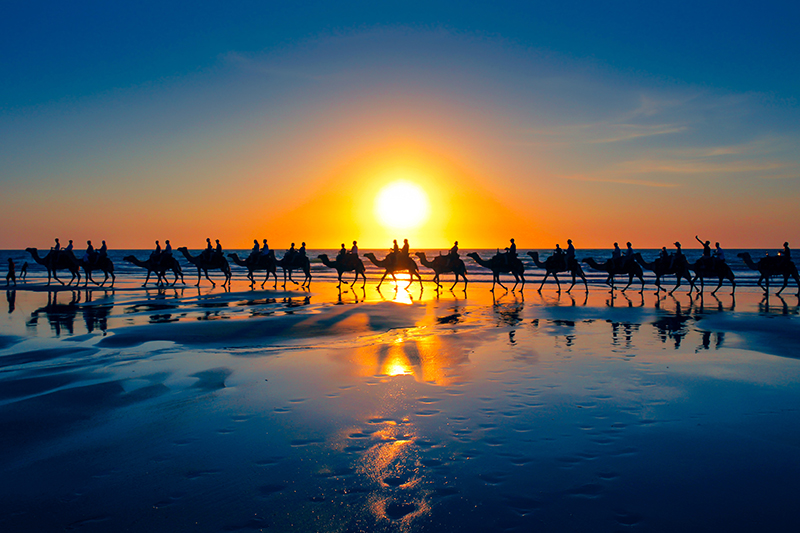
<point>394,263</point>
<point>772,266</point>
<point>262,262</point>
<point>206,262</point>
<point>552,266</point>
<point>622,267</point>
<point>64,261</point>
<point>295,262</point>
<point>707,267</point>
<point>498,264</point>
<point>665,267</point>
<point>104,264</point>
<point>160,267</point>
<point>58,315</point>
<point>345,263</point>
<point>443,264</point>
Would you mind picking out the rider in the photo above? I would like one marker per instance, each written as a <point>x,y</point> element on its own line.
<point>395,248</point>
<point>255,251</point>
<point>302,250</point>
<point>616,255</point>
<point>89,255</point>
<point>663,255</point>
<point>156,254</point>
<point>69,247</point>
<point>629,253</point>
<point>678,257</point>
<point>290,253</point>
<point>719,255</point>
<point>570,254</point>
<point>706,250</point>
<point>342,253</point>
<point>209,249</point>
<point>354,249</point>
<point>787,253</point>
<point>511,252</point>
<point>558,253</point>
<point>218,249</point>
<point>104,250</point>
<point>405,248</point>
<point>167,248</point>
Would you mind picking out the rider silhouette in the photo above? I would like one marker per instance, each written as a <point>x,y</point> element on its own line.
<point>405,248</point>
<point>511,252</point>
<point>354,249</point>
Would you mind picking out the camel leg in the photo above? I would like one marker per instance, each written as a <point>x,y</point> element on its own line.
<point>630,280</point>
<point>558,283</point>
<point>546,273</point>
<point>641,278</point>
<point>386,273</point>
<point>213,283</point>
<point>785,282</point>
<point>718,286</point>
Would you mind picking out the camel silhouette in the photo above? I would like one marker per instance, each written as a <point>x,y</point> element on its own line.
<point>443,264</point>
<point>499,265</point>
<point>213,262</point>
<point>394,263</point>
<point>552,266</point>
<point>295,262</point>
<point>103,264</point>
<point>618,268</point>
<point>159,267</point>
<point>706,268</point>
<point>772,266</point>
<point>64,261</point>
<point>665,267</point>
<point>346,263</point>
<point>265,262</point>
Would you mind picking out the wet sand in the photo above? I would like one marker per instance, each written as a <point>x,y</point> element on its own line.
<point>208,410</point>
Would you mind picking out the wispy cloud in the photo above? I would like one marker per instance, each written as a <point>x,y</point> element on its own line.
<point>622,181</point>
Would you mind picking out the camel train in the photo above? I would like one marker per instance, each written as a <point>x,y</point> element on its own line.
<point>631,266</point>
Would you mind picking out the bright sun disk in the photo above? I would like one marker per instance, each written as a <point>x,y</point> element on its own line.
<point>401,205</point>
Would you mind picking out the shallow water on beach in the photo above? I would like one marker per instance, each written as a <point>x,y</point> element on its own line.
<point>213,410</point>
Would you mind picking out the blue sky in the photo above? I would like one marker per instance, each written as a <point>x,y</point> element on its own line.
<point>126,107</point>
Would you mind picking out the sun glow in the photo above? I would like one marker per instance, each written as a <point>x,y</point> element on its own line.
<point>402,205</point>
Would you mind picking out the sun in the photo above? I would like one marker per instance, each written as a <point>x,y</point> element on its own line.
<point>402,205</point>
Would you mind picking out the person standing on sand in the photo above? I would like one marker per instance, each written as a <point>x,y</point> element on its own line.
<point>11,276</point>
<point>23,272</point>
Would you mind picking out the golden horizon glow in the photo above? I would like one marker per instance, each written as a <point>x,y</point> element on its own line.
<point>402,205</point>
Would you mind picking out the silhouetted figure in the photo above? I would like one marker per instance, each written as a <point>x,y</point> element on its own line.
<point>510,255</point>
<point>719,255</point>
<point>156,253</point>
<point>558,254</point>
<point>342,253</point>
<point>616,255</point>
<point>208,252</point>
<point>290,253</point>
<point>706,247</point>
<point>354,249</point>
<point>678,257</point>
<point>11,298</point>
<point>256,249</point>
<point>11,276</point>
<point>167,253</point>
<point>405,248</point>
<point>395,248</point>
<point>218,249</point>
<point>454,250</point>
<point>89,256</point>
<point>104,250</point>
<point>264,248</point>
<point>23,272</point>
<point>787,253</point>
<point>570,254</point>
<point>629,252</point>
<point>69,247</point>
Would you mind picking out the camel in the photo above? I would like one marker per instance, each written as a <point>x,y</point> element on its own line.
<point>64,261</point>
<point>345,263</point>
<point>622,267</point>
<point>160,267</point>
<point>394,263</point>
<point>771,266</point>
<point>104,264</point>
<point>295,262</point>
<point>214,262</point>
<point>498,264</point>
<point>665,267</point>
<point>553,266</point>
<point>262,262</point>
<point>443,264</point>
<point>707,267</point>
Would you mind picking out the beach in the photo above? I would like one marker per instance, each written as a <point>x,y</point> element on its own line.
<point>351,409</point>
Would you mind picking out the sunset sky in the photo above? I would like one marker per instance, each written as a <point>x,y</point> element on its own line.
<point>595,121</point>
